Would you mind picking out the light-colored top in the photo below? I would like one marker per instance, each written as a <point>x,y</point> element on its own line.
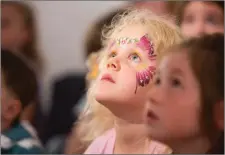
<point>105,145</point>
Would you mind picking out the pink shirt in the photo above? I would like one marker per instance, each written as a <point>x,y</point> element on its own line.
<point>105,145</point>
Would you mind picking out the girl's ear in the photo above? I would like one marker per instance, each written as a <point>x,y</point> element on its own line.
<point>219,115</point>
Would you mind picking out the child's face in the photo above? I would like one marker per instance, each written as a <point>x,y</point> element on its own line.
<point>129,68</point>
<point>202,18</point>
<point>173,107</point>
<point>10,108</point>
<point>13,29</point>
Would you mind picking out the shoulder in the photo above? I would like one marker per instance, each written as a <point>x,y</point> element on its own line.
<point>158,148</point>
<point>17,149</point>
<point>98,145</point>
<point>21,139</point>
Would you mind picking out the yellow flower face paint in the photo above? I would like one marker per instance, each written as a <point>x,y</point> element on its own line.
<point>93,66</point>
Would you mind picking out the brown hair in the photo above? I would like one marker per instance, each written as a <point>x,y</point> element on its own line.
<point>29,50</point>
<point>181,7</point>
<point>206,56</point>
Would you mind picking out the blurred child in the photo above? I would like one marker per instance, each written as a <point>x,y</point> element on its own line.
<point>18,30</point>
<point>161,8</point>
<point>201,17</point>
<point>185,107</point>
<point>19,34</point>
<point>116,98</point>
<point>19,89</point>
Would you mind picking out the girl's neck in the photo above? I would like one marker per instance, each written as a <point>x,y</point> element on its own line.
<point>130,138</point>
<point>199,145</point>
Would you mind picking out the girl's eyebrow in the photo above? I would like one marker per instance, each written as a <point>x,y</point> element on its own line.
<point>177,71</point>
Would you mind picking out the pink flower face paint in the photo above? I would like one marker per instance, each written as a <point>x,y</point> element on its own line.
<point>146,45</point>
<point>144,76</point>
<point>146,73</point>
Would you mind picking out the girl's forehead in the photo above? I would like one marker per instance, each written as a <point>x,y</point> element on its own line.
<point>174,60</point>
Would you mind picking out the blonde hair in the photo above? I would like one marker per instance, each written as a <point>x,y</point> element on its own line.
<point>96,119</point>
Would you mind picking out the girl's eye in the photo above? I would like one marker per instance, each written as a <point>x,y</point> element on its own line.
<point>212,20</point>
<point>112,55</point>
<point>157,81</point>
<point>188,19</point>
<point>134,57</point>
<point>175,83</point>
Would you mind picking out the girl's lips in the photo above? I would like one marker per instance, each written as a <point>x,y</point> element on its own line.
<point>107,77</point>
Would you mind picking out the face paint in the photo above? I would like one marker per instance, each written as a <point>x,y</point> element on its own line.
<point>124,40</point>
<point>144,76</point>
<point>146,45</point>
<point>111,44</point>
<point>145,73</point>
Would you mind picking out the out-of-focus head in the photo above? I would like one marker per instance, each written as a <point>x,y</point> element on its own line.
<point>18,29</point>
<point>186,100</point>
<point>18,88</point>
<point>161,8</point>
<point>201,17</point>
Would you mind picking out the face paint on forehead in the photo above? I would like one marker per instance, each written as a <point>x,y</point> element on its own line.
<point>147,45</point>
<point>144,43</point>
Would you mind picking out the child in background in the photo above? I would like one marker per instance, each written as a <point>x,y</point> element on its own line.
<point>18,30</point>
<point>201,17</point>
<point>19,34</point>
<point>116,99</point>
<point>19,89</point>
<point>185,107</point>
<point>160,8</point>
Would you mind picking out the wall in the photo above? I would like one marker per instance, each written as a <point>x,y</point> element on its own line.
<point>62,26</point>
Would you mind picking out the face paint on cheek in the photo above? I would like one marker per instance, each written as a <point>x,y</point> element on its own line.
<point>143,77</point>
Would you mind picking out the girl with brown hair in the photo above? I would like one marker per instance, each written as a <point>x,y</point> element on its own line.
<point>185,107</point>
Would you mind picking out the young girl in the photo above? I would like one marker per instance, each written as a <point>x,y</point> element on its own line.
<point>186,101</point>
<point>201,17</point>
<point>113,120</point>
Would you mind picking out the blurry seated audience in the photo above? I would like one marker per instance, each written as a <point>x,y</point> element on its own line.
<point>94,46</point>
<point>18,33</point>
<point>19,89</point>
<point>201,17</point>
